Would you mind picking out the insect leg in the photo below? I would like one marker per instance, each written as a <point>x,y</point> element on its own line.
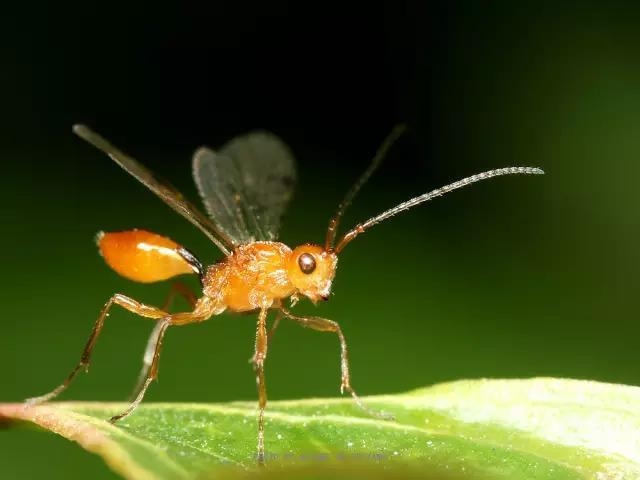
<point>147,360</point>
<point>326,325</point>
<point>155,345</point>
<point>259,357</point>
<point>270,334</point>
<point>118,299</point>
<point>177,288</point>
<point>152,371</point>
<point>274,325</point>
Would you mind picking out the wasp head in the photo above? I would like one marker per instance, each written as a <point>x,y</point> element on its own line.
<point>311,270</point>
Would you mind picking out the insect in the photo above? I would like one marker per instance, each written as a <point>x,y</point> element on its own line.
<point>245,187</point>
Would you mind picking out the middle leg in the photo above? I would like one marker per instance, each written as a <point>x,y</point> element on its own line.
<point>258,363</point>
<point>269,335</point>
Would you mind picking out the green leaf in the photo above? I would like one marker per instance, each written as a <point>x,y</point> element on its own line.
<point>500,429</point>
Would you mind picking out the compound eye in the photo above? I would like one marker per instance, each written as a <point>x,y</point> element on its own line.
<point>307,263</point>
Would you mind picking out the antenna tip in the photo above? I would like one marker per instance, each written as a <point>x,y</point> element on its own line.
<point>79,129</point>
<point>537,171</point>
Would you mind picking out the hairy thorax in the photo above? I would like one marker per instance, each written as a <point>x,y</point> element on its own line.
<point>252,277</point>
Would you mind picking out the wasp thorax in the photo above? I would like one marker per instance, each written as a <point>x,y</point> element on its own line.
<point>311,270</point>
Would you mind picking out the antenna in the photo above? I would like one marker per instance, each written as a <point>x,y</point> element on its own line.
<point>425,197</point>
<point>332,230</point>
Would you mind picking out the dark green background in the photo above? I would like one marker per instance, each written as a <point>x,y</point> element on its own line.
<point>516,277</point>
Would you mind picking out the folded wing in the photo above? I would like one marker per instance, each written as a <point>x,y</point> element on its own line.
<point>246,185</point>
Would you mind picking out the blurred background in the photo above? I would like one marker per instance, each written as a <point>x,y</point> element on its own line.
<point>515,277</point>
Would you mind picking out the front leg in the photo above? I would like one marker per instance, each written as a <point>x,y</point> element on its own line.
<point>326,325</point>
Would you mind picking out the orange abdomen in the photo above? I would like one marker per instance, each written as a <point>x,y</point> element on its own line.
<point>142,256</point>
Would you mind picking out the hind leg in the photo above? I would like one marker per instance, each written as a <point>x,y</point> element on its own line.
<point>118,299</point>
<point>150,373</point>
<point>198,315</point>
<point>177,288</point>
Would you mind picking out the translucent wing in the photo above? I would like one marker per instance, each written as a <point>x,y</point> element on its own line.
<point>247,185</point>
<point>167,193</point>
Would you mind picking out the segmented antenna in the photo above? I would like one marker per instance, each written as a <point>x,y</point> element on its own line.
<point>332,230</point>
<point>425,197</point>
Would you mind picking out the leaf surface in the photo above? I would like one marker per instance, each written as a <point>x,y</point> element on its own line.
<point>540,428</point>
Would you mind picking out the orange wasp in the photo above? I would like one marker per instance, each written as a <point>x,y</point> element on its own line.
<point>245,188</point>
